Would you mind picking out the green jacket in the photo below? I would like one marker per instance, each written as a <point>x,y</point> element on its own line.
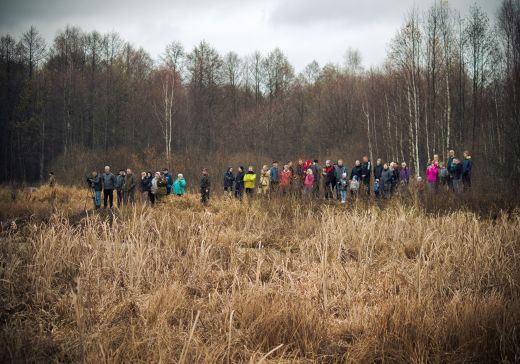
<point>178,186</point>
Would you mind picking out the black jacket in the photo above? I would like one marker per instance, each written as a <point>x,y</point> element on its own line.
<point>239,180</point>
<point>356,171</point>
<point>205,183</point>
<point>456,171</point>
<point>366,169</point>
<point>228,179</point>
<point>378,171</point>
<point>146,184</point>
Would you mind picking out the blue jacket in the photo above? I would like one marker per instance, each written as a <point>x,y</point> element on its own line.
<point>467,164</point>
<point>169,180</point>
<point>275,175</point>
<point>119,181</point>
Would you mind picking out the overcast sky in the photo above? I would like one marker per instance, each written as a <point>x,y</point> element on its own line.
<point>305,30</point>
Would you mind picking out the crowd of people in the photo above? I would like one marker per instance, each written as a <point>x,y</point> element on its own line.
<point>306,178</point>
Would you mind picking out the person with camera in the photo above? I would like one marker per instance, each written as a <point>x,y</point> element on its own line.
<point>94,182</point>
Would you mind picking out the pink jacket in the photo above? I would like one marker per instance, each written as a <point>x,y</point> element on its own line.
<point>309,180</point>
<point>431,173</point>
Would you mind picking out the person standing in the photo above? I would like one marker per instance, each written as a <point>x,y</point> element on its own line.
<point>404,174</point>
<point>357,171</point>
<point>154,187</point>
<point>168,180</point>
<point>467,166</point>
<point>308,183</point>
<point>285,180</point>
<point>378,169</point>
<point>316,172</point>
<point>329,176</point>
<point>179,185</point>
<point>144,187</point>
<point>275,177</point>
<point>299,177</point>
<point>52,180</point>
<point>239,183</point>
<point>129,187</point>
<point>449,167</point>
<point>456,174</point>
<point>96,185</point>
<point>205,184</point>
<point>119,182</point>
<point>366,169</point>
<point>432,175</point>
<point>387,177</point>
<point>109,181</point>
<point>229,179</point>
<point>265,179</point>
<point>343,187</point>
<point>249,181</point>
<point>339,170</point>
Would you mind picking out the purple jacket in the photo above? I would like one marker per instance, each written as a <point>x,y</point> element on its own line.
<point>404,175</point>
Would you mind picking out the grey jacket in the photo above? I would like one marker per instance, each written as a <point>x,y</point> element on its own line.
<point>109,181</point>
<point>386,178</point>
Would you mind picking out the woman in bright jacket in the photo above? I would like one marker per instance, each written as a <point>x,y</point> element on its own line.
<point>404,174</point>
<point>285,179</point>
<point>308,183</point>
<point>179,185</point>
<point>432,174</point>
<point>249,181</point>
<point>265,181</point>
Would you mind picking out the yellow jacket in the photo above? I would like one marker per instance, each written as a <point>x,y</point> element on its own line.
<point>249,180</point>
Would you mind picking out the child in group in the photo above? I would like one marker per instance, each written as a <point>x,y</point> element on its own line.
<point>377,188</point>
<point>343,187</point>
<point>308,183</point>
<point>354,185</point>
<point>179,185</point>
<point>285,180</point>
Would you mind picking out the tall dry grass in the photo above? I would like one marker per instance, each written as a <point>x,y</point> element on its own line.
<point>277,280</point>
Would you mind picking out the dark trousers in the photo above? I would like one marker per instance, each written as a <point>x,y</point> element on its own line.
<point>366,183</point>
<point>250,191</point>
<point>119,197</point>
<point>466,181</point>
<point>239,191</point>
<point>274,186</point>
<point>204,195</point>
<point>328,190</point>
<point>108,195</point>
<point>151,196</point>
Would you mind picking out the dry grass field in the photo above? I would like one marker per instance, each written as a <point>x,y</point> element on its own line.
<point>267,281</point>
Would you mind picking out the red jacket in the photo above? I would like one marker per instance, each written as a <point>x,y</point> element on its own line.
<point>285,178</point>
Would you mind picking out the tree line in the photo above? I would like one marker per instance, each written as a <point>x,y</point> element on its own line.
<point>448,82</point>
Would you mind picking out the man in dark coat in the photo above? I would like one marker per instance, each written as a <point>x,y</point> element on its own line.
<point>378,169</point>
<point>357,171</point>
<point>129,187</point>
<point>229,180</point>
<point>239,183</point>
<point>109,183</point>
<point>205,184</point>
<point>366,169</point>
